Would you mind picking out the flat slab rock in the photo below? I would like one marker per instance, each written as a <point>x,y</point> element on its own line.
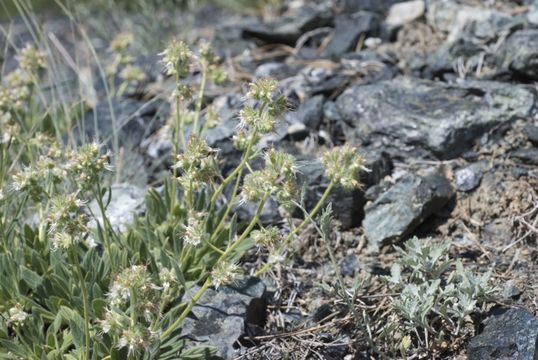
<point>223,316</point>
<point>443,119</point>
<point>404,206</point>
<point>508,334</point>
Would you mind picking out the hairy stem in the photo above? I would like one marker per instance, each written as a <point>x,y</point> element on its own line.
<point>207,282</point>
<point>86,306</point>
<point>292,233</point>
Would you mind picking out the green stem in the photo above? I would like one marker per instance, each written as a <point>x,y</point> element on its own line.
<point>106,224</point>
<point>236,171</point>
<point>199,101</point>
<point>213,247</point>
<point>133,301</point>
<point>313,213</point>
<point>187,310</point>
<point>86,306</point>
<point>339,278</point>
<point>222,221</point>
<point>180,136</point>
<point>207,283</point>
<point>247,231</point>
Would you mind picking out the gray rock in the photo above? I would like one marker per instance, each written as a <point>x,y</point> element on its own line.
<point>221,317</point>
<point>445,59</point>
<point>405,12</point>
<point>297,131</point>
<point>508,334</point>
<point>322,312</point>
<point>126,202</point>
<point>527,156</point>
<point>377,190</point>
<point>441,14</point>
<point>133,121</point>
<point>519,53</point>
<point>221,136</point>
<point>315,81</point>
<point>473,38</point>
<point>269,214</point>
<point>379,6</point>
<point>310,112</point>
<point>348,206</point>
<point>287,29</point>
<point>532,14</point>
<point>468,177</point>
<point>150,65</point>
<point>481,25</point>
<point>349,266</point>
<point>277,70</point>
<point>510,291</point>
<point>228,40</point>
<point>397,212</point>
<point>440,118</point>
<point>296,125</point>
<point>461,20</point>
<point>532,134</point>
<point>330,112</point>
<point>348,29</point>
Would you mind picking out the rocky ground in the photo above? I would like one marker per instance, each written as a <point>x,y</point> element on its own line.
<point>439,95</point>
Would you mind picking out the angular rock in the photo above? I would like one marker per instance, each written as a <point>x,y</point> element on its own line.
<point>509,333</point>
<point>527,156</point>
<point>330,112</point>
<point>296,125</point>
<point>397,212</point>
<point>519,53</point>
<point>310,112</point>
<point>277,70</point>
<point>348,206</point>
<point>473,31</point>
<point>441,14</point>
<point>378,65</point>
<point>473,22</point>
<point>297,131</point>
<point>405,12</point>
<point>377,190</point>
<point>126,202</point>
<point>468,177</point>
<point>269,214</point>
<point>132,120</point>
<point>287,29</point>
<point>315,81</point>
<point>348,29</point>
<point>228,40</point>
<point>440,118</point>
<point>532,134</point>
<point>222,317</point>
<point>481,25</point>
<point>445,59</point>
